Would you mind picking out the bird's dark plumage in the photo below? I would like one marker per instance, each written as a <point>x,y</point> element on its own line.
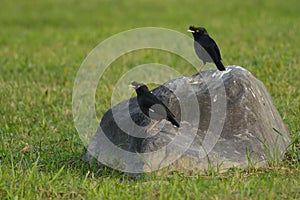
<point>202,38</point>
<point>150,105</point>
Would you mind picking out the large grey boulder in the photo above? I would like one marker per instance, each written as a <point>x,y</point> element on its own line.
<point>227,119</point>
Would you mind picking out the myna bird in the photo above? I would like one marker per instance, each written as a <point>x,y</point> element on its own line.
<point>202,38</point>
<point>151,106</point>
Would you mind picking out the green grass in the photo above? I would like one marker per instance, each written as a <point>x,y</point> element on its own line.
<point>42,44</point>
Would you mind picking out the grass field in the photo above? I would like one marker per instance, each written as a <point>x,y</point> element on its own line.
<point>42,44</point>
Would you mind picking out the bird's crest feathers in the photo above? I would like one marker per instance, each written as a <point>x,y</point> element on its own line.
<point>196,30</point>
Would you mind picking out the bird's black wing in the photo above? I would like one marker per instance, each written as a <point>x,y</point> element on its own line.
<point>150,99</point>
<point>213,53</point>
<point>217,51</point>
<point>212,48</point>
<point>171,117</point>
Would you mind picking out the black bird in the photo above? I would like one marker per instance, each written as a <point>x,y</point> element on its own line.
<point>151,106</point>
<point>201,37</point>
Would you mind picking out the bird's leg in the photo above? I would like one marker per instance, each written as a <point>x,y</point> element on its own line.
<point>153,125</point>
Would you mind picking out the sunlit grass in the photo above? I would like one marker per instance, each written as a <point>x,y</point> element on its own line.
<point>42,44</point>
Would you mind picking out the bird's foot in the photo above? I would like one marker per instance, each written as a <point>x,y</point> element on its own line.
<point>152,127</point>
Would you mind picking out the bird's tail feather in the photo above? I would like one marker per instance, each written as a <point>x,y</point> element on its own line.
<point>220,66</point>
<point>174,122</point>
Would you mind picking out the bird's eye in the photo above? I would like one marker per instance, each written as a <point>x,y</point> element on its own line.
<point>197,30</point>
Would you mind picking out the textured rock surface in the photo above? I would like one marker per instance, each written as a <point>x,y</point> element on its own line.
<point>238,123</point>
